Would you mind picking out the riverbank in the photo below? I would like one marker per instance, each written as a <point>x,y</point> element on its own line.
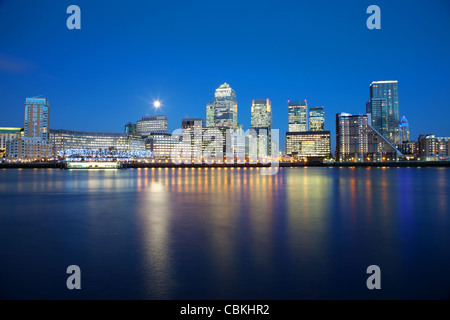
<point>58,165</point>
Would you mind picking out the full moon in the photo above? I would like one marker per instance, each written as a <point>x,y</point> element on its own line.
<point>157,104</point>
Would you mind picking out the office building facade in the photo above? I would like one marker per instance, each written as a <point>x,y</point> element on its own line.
<point>357,141</point>
<point>30,149</point>
<point>261,114</point>
<point>297,116</point>
<point>225,107</point>
<point>69,139</point>
<point>408,150</point>
<point>130,128</point>
<point>316,119</point>
<point>432,148</point>
<point>309,144</point>
<point>161,145</point>
<point>34,145</point>
<point>210,114</point>
<point>383,109</point>
<point>7,134</point>
<point>261,125</point>
<point>151,125</point>
<point>192,137</point>
<point>36,122</point>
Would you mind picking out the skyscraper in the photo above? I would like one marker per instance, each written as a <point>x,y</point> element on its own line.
<point>261,114</point>
<point>36,118</point>
<point>225,107</point>
<point>316,119</point>
<point>404,129</point>
<point>35,142</point>
<point>383,110</point>
<point>210,114</point>
<point>297,116</point>
<point>261,120</point>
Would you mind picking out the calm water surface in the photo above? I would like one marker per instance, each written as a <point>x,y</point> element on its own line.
<point>223,233</point>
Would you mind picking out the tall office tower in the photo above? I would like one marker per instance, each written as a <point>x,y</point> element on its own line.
<point>357,141</point>
<point>225,107</point>
<point>261,120</point>
<point>382,108</point>
<point>316,119</point>
<point>210,114</point>
<point>404,129</point>
<point>35,142</point>
<point>151,125</point>
<point>261,114</point>
<point>36,118</point>
<point>297,116</point>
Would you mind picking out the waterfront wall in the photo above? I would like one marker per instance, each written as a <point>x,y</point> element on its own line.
<point>59,165</point>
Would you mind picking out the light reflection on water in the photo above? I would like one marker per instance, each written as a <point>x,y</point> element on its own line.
<point>225,233</point>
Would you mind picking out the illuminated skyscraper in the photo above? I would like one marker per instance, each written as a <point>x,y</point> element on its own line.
<point>225,107</point>
<point>297,116</point>
<point>36,118</point>
<point>261,120</point>
<point>261,114</point>
<point>210,114</point>
<point>35,142</point>
<point>316,119</point>
<point>383,109</point>
<point>404,129</point>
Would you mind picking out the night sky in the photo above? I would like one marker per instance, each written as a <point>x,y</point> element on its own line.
<point>129,53</point>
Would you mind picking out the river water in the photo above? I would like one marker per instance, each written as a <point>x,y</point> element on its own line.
<point>225,233</point>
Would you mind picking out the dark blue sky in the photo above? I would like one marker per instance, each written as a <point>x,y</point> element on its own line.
<point>131,52</point>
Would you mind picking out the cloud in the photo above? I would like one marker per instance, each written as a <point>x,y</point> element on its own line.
<point>10,64</point>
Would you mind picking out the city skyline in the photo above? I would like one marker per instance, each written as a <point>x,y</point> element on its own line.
<point>381,116</point>
<point>80,69</point>
<point>306,114</point>
<point>147,126</point>
<point>223,151</point>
